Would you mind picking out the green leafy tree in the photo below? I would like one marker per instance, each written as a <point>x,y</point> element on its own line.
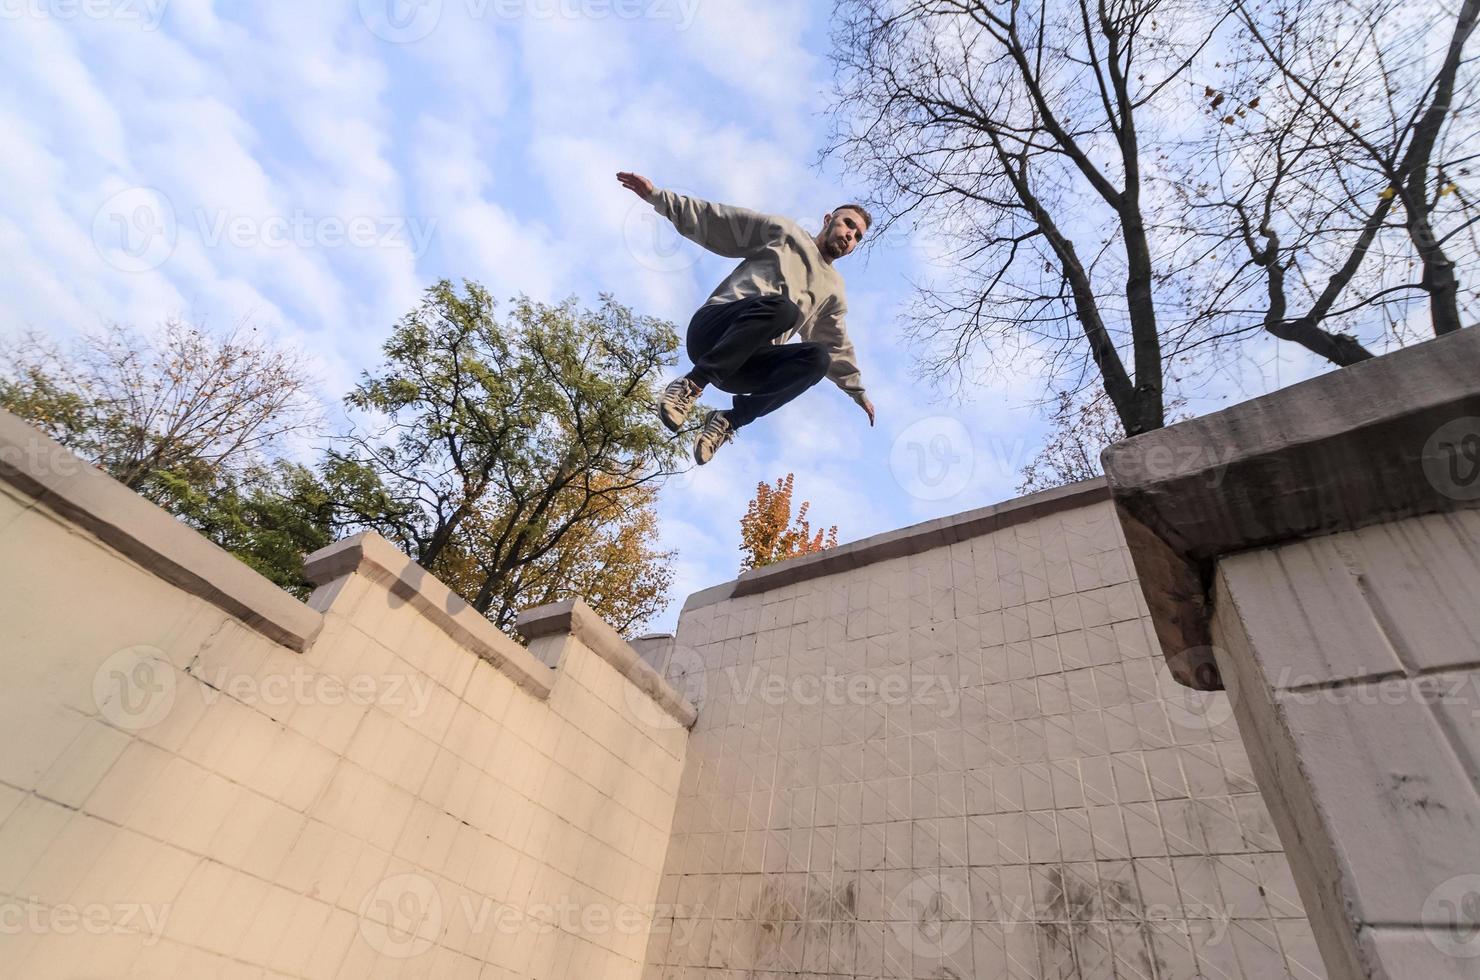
<point>494,445</point>
<point>269,516</point>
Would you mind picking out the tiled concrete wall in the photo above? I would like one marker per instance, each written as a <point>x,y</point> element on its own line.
<point>181,797</point>
<point>1352,662</point>
<point>968,761</point>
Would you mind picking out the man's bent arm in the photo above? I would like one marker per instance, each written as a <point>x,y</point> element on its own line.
<point>722,228</point>
<point>843,368</point>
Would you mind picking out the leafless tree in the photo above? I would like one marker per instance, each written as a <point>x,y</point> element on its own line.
<point>1014,130</point>
<point>1127,188</point>
<point>138,404</point>
<point>1328,109</point>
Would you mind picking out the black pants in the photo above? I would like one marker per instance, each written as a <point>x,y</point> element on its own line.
<point>730,345</point>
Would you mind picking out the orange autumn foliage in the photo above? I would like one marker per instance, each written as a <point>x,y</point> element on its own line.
<point>768,534</point>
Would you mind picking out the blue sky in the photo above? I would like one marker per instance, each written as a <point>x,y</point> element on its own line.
<point>312,167</point>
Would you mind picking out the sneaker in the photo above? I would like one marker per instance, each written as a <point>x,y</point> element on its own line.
<point>677,402</point>
<point>716,433</point>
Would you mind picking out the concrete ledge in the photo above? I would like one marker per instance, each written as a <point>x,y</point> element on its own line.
<point>906,541</point>
<point>371,555</point>
<point>573,617</point>
<point>1357,446</point>
<point>44,470</point>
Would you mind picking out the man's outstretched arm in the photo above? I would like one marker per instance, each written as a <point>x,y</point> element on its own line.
<point>722,228</point>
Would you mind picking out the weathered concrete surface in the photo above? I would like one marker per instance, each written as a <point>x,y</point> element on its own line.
<point>411,794</point>
<point>44,472</point>
<point>1352,447</point>
<point>912,540</point>
<point>1350,660</point>
<point>572,619</point>
<point>1318,551</point>
<point>963,758</point>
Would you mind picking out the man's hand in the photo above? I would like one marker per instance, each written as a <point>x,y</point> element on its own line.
<point>636,183</point>
<point>868,407</point>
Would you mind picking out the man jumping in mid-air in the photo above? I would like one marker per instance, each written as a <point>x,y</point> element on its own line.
<point>784,285</point>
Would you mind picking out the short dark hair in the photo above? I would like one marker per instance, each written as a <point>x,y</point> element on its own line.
<point>867,219</point>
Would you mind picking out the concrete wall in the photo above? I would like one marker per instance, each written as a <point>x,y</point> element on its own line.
<point>1318,550</point>
<point>202,777</point>
<point>955,751</point>
<point>1352,662</point>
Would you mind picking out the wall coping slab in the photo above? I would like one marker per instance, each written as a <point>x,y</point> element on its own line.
<point>1356,446</point>
<point>373,556</point>
<point>44,470</point>
<point>915,539</point>
<point>575,618</point>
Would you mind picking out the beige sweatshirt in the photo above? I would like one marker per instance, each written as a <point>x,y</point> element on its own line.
<point>778,256</point>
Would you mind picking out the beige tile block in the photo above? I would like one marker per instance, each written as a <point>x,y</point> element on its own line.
<point>156,959</point>
<point>114,876</point>
<point>233,914</point>
<point>36,733</point>
<point>360,961</point>
<point>10,798</point>
<point>199,818</point>
<point>16,946</point>
<point>175,732</point>
<point>332,726</point>
<point>310,853</point>
<point>1310,607</point>
<point>205,887</point>
<point>63,950</point>
<point>60,868</point>
<point>1420,578</point>
<point>1302,957</point>
<point>263,939</point>
<point>331,944</point>
<point>76,773</point>
<point>232,655</point>
<point>159,812</point>
<point>232,841</point>
<point>272,839</point>
<point>158,885</point>
<point>369,867</point>
<point>249,739</point>
<point>391,808</point>
<point>25,836</point>
<point>1366,761</point>
<point>215,735</point>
